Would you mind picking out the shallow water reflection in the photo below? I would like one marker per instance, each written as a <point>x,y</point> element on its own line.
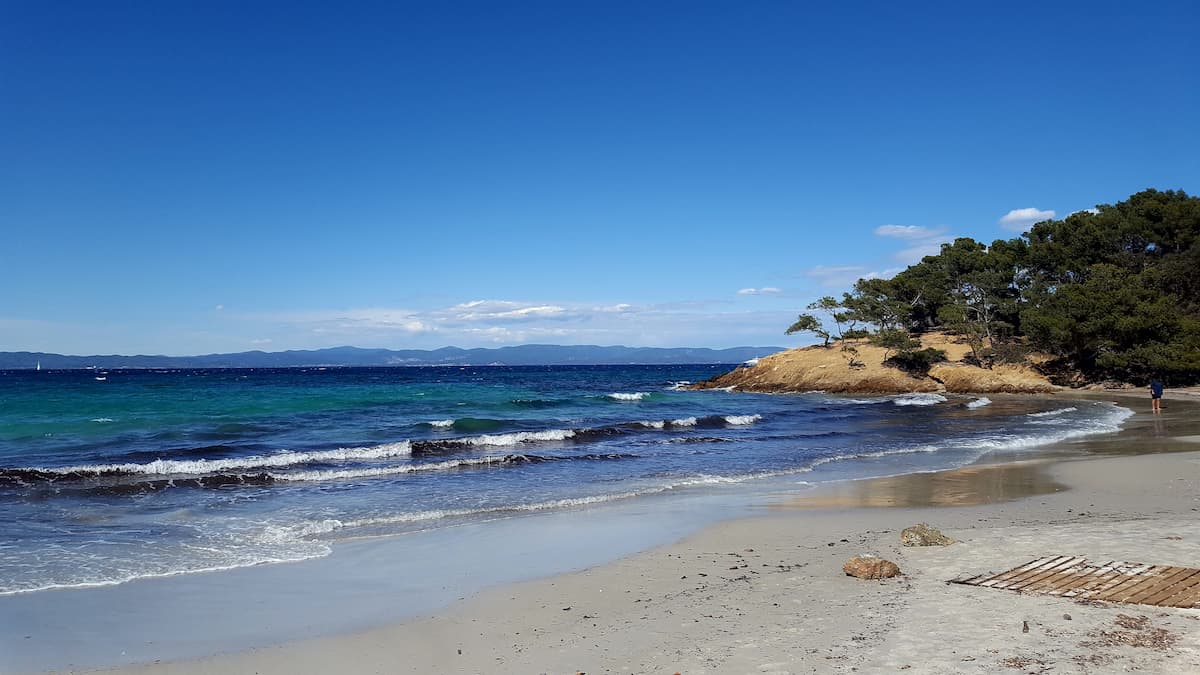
<point>969,486</point>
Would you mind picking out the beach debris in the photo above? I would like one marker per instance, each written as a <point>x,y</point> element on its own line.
<point>1134,632</point>
<point>1024,626</point>
<point>870,567</point>
<point>1021,662</point>
<point>922,534</point>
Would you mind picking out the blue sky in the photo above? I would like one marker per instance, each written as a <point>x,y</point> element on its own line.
<point>199,177</point>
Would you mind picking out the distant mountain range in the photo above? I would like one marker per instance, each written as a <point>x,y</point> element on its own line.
<point>523,355</point>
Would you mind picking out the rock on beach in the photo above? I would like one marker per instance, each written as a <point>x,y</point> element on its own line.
<point>870,567</point>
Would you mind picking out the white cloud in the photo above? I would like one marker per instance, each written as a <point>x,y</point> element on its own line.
<point>836,275</point>
<point>908,231</point>
<point>619,308</point>
<point>1020,220</point>
<point>1093,211</point>
<point>500,322</point>
<point>766,290</point>
<point>503,310</point>
<point>219,307</point>
<point>914,254</point>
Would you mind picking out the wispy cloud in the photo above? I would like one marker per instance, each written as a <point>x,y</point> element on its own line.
<point>1019,220</point>
<point>1093,211</point>
<point>503,310</point>
<point>836,275</point>
<point>910,232</point>
<point>922,241</point>
<point>500,322</point>
<point>914,254</point>
<point>766,290</point>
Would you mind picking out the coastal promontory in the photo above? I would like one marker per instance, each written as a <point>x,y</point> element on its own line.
<point>858,367</point>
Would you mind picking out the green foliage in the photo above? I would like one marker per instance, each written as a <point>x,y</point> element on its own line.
<point>1113,292</point>
<point>917,362</point>
<point>892,339</point>
<point>807,323</point>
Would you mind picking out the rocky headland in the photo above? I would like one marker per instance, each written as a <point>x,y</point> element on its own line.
<point>858,367</point>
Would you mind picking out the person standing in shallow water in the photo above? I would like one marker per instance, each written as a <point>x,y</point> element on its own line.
<point>1156,392</point>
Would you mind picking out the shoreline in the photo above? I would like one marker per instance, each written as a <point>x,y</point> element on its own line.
<point>765,593</point>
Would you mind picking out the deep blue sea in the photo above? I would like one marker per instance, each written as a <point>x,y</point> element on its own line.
<point>106,477</point>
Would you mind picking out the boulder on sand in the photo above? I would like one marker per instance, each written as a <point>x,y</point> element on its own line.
<point>922,534</point>
<point>870,567</point>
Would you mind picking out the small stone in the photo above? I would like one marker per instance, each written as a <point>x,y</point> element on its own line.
<point>870,567</point>
<point>922,534</point>
<point>1024,626</point>
<point>1067,617</point>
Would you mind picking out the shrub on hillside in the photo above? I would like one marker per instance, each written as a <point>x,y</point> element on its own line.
<point>916,361</point>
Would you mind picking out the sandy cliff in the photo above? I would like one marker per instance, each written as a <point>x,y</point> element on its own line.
<point>829,369</point>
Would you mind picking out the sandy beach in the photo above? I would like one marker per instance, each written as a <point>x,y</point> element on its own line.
<point>767,594</point>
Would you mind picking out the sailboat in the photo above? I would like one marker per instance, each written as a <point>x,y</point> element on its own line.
<point>39,365</point>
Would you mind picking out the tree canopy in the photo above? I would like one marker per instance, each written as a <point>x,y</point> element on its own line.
<point>1112,292</point>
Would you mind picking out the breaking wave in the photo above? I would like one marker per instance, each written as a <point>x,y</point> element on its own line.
<point>919,399</point>
<point>1052,413</point>
<point>171,467</point>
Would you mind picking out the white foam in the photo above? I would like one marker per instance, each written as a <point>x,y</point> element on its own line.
<point>650,424</point>
<point>680,385</point>
<point>637,396</point>
<point>205,466</point>
<point>317,528</point>
<point>102,420</point>
<point>1052,413</point>
<point>442,424</point>
<point>750,363</point>
<point>375,472</point>
<point>919,399</point>
<point>741,420</point>
<point>518,437</point>
<point>684,422</point>
<point>979,402</point>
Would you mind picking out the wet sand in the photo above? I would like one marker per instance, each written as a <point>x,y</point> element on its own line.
<point>766,594</point>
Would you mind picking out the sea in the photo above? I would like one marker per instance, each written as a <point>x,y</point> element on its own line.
<point>107,477</point>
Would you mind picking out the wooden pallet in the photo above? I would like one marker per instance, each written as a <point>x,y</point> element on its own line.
<point>1078,579</point>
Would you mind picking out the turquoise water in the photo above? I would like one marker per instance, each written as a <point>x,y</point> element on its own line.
<point>106,477</point>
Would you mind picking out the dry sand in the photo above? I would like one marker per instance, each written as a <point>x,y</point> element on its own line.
<point>767,594</point>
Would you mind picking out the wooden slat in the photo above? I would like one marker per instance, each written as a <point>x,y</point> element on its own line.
<point>1095,576</point>
<point>1166,580</point>
<point>1048,574</point>
<point>1124,573</point>
<point>1109,575</point>
<point>1178,586</point>
<point>1025,570</point>
<point>1186,598</point>
<point>1122,590</point>
<point>1030,574</point>
<point>1076,578</point>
